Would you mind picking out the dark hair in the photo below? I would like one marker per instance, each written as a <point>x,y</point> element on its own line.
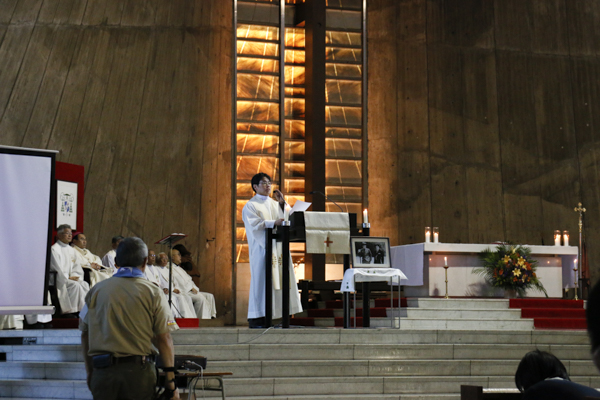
<point>592,314</point>
<point>115,239</point>
<point>131,252</point>
<point>76,236</point>
<point>257,178</point>
<point>182,250</point>
<point>537,366</point>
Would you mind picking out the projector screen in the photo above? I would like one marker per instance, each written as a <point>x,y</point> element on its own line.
<point>26,177</point>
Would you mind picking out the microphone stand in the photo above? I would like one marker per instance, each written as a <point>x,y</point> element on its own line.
<point>327,198</point>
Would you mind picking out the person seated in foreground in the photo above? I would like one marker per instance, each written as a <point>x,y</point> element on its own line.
<point>204,303</point>
<point>88,260</point>
<point>542,376</point>
<point>182,305</point>
<point>109,258</point>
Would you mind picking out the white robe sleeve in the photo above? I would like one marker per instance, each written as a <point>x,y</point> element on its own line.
<point>256,223</point>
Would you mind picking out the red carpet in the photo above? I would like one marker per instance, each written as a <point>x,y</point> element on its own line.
<point>552,313</point>
<point>187,322</point>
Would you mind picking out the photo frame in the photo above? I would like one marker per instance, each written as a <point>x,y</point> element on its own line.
<point>370,252</point>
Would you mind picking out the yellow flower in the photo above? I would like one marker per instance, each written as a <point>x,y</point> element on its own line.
<point>517,272</point>
<point>506,259</point>
<point>521,261</point>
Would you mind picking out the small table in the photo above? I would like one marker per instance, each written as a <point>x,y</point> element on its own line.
<point>353,275</point>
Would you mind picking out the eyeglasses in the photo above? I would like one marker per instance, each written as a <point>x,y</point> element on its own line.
<point>265,183</point>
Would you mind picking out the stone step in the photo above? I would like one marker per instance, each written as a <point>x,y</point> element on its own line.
<point>55,389</point>
<point>312,368</point>
<point>424,302</point>
<point>456,313</point>
<point>455,324</point>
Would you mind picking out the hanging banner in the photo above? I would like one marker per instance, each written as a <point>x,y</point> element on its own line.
<point>66,204</point>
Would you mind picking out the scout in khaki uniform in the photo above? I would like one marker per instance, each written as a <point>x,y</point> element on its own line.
<point>123,317</point>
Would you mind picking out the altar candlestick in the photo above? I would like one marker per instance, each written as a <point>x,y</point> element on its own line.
<point>576,278</point>
<point>557,238</point>
<point>365,217</point>
<point>446,273</point>
<point>427,234</point>
<point>436,235</point>
<point>446,261</point>
<point>566,238</point>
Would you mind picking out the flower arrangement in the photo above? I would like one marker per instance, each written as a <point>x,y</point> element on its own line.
<point>510,267</point>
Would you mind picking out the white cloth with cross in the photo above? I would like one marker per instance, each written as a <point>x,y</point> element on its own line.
<point>327,232</point>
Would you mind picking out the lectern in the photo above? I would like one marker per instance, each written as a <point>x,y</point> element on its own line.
<point>294,230</point>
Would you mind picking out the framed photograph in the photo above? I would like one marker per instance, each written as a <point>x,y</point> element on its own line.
<point>370,252</point>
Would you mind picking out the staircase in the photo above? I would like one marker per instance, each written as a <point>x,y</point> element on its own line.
<point>312,363</point>
<point>552,313</point>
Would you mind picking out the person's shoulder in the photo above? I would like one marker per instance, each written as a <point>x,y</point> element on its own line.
<point>557,389</point>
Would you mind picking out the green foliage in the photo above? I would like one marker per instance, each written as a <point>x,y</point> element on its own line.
<point>510,267</point>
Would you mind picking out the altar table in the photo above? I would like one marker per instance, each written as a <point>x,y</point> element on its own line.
<point>423,265</point>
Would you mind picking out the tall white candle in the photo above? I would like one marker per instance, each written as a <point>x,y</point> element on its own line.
<point>445,261</point>
<point>286,213</point>
<point>436,237</point>
<point>365,217</point>
<point>557,238</point>
<point>427,236</point>
<point>566,238</point>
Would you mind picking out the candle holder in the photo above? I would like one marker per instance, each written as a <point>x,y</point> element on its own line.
<point>427,234</point>
<point>446,271</point>
<point>366,225</point>
<point>565,238</point>
<point>557,236</point>
<point>286,223</point>
<point>436,234</point>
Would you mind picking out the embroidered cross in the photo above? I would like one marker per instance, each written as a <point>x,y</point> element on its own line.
<point>327,241</point>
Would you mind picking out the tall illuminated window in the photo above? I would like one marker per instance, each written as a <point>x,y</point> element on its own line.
<point>270,126</point>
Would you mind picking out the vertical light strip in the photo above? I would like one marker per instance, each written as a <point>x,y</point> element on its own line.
<point>282,174</point>
<point>365,153</point>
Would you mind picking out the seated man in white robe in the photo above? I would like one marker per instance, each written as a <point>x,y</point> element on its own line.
<point>204,303</point>
<point>151,272</point>
<point>183,307</point>
<point>70,285</point>
<point>109,258</point>
<point>88,260</point>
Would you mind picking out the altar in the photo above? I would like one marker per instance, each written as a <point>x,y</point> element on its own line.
<point>423,265</point>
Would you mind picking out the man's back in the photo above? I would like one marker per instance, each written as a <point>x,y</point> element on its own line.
<point>124,314</point>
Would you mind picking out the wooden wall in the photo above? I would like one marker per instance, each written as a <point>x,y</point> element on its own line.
<point>484,119</point>
<point>139,93</point>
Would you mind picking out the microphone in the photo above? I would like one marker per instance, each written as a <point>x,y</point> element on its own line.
<point>327,198</point>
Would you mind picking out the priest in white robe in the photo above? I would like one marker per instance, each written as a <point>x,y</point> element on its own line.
<point>182,305</point>
<point>204,303</point>
<point>151,272</point>
<point>109,258</point>
<point>70,285</point>
<point>262,212</point>
<point>88,260</point>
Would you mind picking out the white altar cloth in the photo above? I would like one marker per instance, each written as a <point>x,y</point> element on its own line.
<point>423,262</point>
<point>353,275</point>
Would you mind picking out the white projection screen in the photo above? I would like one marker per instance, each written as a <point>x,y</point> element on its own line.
<point>26,181</point>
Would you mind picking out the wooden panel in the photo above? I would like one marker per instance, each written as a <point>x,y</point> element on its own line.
<point>414,180</point>
<point>519,148</point>
<point>14,45</point>
<point>20,106</point>
<point>138,13</point>
<point>51,89</point>
<point>47,11</point>
<point>382,129</point>
<point>582,21</point>
<point>514,24</point>
<point>586,109</point>
<point>26,11</point>
<point>461,22</point>
<point>7,10</point>
<point>482,148</point>
<point>550,27</point>
<point>557,143</point>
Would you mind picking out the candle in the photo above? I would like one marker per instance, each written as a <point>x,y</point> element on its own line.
<point>566,238</point>
<point>557,238</point>
<point>427,234</point>
<point>436,235</point>
<point>286,213</point>
<point>365,217</point>
<point>445,261</point>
